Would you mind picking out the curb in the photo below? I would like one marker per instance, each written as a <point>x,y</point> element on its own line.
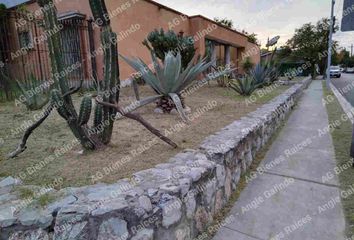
<point>346,106</point>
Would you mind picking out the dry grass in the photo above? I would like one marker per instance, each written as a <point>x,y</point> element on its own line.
<point>129,138</point>
<point>342,137</point>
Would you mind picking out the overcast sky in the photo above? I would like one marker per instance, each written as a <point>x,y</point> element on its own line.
<point>267,18</point>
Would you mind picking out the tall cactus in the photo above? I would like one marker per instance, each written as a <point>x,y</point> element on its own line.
<point>108,90</point>
<point>78,122</point>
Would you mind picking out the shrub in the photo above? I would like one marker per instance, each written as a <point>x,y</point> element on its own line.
<point>223,80</point>
<point>244,86</point>
<point>247,64</point>
<point>161,42</point>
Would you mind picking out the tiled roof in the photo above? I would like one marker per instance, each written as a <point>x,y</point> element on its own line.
<point>13,3</point>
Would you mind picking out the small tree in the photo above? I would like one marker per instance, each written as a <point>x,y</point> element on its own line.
<point>225,22</point>
<point>252,37</point>
<point>310,43</point>
<point>247,64</point>
<point>343,55</point>
<point>161,42</point>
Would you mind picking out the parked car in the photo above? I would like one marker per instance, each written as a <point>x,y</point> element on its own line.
<point>335,71</point>
<point>350,70</point>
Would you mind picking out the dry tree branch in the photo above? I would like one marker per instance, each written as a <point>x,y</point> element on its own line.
<point>22,146</point>
<point>139,119</point>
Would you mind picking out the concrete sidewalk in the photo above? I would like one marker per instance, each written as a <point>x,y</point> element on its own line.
<point>297,197</point>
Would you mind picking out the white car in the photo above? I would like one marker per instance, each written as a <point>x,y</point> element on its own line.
<point>350,70</point>
<point>335,71</point>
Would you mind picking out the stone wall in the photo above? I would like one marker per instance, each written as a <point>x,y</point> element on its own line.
<point>174,200</point>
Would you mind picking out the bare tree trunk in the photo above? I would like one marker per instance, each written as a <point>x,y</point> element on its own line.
<point>139,119</point>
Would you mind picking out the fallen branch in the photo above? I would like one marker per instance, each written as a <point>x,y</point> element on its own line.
<point>22,146</point>
<point>139,119</point>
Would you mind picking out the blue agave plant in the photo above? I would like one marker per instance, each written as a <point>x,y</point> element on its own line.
<point>169,79</point>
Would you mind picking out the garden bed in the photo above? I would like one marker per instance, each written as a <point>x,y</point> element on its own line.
<point>52,152</point>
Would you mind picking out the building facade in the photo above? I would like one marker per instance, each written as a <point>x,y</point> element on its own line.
<point>132,20</point>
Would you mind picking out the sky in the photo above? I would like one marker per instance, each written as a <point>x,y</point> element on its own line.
<point>266,18</point>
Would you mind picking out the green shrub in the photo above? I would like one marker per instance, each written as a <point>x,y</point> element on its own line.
<point>223,80</point>
<point>247,64</point>
<point>161,42</point>
<point>2,10</point>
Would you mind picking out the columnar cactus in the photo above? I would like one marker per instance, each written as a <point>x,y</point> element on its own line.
<point>106,107</point>
<point>104,116</point>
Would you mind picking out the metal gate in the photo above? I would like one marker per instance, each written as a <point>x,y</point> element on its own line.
<point>24,54</point>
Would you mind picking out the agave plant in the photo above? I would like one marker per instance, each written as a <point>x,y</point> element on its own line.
<point>260,74</point>
<point>169,80</point>
<point>274,72</point>
<point>244,86</point>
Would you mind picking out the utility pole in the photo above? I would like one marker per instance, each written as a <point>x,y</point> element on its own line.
<point>351,50</point>
<point>347,26</point>
<point>330,45</point>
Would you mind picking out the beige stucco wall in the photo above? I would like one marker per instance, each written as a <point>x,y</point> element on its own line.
<point>217,33</point>
<point>136,22</point>
<point>253,51</point>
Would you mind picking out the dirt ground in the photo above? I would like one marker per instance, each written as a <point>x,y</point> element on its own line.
<point>53,153</point>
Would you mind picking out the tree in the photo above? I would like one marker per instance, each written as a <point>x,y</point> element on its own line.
<point>310,43</point>
<point>349,62</point>
<point>225,22</point>
<point>345,59</point>
<point>252,37</point>
<point>284,53</point>
<point>335,58</point>
<point>161,42</point>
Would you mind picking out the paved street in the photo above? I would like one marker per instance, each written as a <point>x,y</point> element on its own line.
<point>345,85</point>
<point>292,199</point>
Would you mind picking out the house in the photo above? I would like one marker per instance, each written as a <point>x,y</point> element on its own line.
<point>26,53</point>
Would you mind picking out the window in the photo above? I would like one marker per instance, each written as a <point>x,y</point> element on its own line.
<point>26,41</point>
